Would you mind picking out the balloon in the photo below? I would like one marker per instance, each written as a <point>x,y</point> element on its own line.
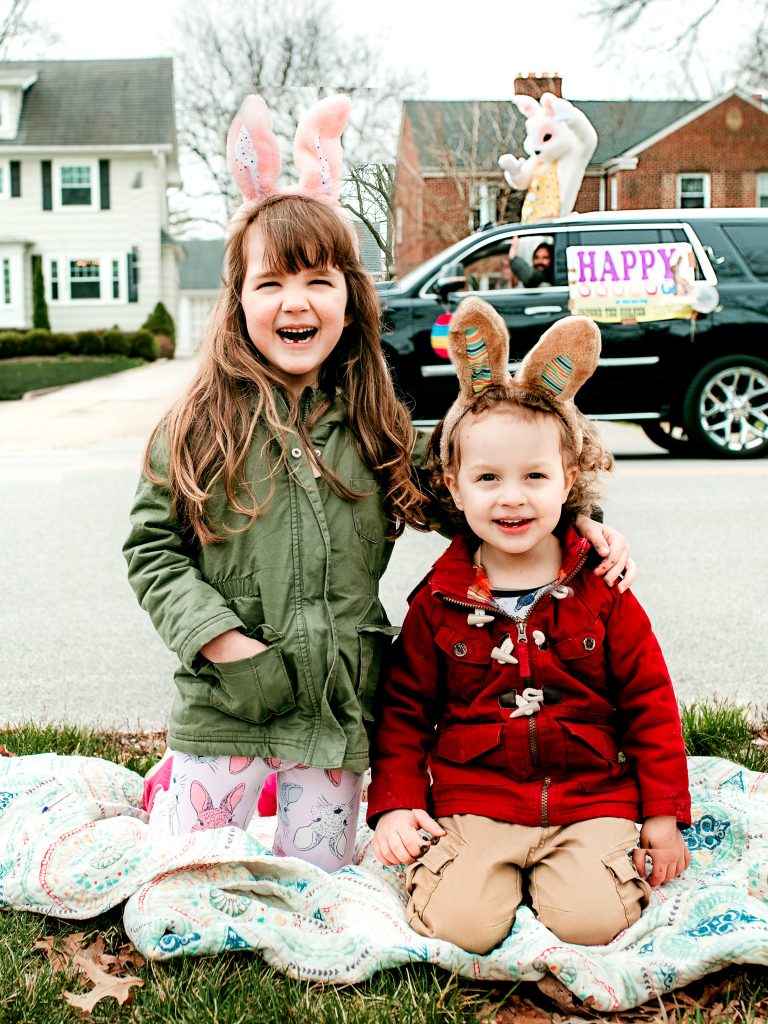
<point>705,297</point>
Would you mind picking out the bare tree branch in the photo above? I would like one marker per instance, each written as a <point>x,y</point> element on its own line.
<point>681,37</point>
<point>18,29</point>
<point>292,57</point>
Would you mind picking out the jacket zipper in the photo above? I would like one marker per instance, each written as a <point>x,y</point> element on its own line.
<point>526,676</point>
<point>475,604</point>
<point>526,679</point>
<point>545,802</point>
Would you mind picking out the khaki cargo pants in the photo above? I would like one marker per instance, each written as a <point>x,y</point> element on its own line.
<point>581,883</point>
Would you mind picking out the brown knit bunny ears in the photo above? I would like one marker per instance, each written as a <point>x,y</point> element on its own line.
<point>564,357</point>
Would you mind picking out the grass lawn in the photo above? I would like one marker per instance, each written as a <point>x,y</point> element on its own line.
<point>241,989</point>
<point>17,376</point>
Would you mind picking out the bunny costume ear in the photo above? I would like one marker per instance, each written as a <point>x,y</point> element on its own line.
<point>253,152</point>
<point>478,341</point>
<point>317,148</point>
<point>562,360</point>
<point>527,105</point>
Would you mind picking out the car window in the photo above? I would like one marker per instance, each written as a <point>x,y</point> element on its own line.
<point>635,236</point>
<point>752,242</point>
<point>720,250</point>
<point>487,268</point>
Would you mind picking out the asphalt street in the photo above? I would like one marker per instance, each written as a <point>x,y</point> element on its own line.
<point>77,648</point>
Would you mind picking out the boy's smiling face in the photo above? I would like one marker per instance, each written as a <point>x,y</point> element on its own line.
<point>511,483</point>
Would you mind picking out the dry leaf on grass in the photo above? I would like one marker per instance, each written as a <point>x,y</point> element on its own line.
<point>60,949</point>
<point>522,1011</point>
<point>5,752</point>
<point>105,986</point>
<point>101,968</point>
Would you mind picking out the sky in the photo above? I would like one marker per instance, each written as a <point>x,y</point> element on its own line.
<point>456,60</point>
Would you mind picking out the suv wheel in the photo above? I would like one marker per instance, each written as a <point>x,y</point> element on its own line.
<point>726,407</point>
<point>669,436</point>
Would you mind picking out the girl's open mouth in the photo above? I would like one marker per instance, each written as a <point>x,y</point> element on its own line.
<point>299,336</point>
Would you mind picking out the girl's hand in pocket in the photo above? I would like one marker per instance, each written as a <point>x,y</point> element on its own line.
<point>231,646</point>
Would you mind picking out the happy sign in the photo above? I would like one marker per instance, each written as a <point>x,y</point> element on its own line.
<point>615,283</point>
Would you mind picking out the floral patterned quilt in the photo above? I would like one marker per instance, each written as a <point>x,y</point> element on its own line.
<point>74,842</point>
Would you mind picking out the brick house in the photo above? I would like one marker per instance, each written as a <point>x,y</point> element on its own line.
<point>650,154</point>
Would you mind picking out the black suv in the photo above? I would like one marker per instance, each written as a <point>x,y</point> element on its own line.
<point>695,385</point>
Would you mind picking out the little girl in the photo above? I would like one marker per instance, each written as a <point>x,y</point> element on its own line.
<point>534,699</point>
<point>271,495</point>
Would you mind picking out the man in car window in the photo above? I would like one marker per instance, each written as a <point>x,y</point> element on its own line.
<point>540,272</point>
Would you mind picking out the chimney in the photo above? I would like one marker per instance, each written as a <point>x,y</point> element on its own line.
<point>534,85</point>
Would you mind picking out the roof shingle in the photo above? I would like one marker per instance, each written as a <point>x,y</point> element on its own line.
<point>477,132</point>
<point>96,103</point>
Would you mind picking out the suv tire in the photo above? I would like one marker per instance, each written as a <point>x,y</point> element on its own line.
<point>726,407</point>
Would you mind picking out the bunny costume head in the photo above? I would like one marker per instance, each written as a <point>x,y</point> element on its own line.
<point>559,141</point>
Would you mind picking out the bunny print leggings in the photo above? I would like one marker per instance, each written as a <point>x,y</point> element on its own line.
<point>316,808</point>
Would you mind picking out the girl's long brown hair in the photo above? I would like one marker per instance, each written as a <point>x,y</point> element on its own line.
<point>211,427</point>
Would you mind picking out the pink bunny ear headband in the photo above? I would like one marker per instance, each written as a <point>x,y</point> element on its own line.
<point>253,153</point>
<point>561,361</point>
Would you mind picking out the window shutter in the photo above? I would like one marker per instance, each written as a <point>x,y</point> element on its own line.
<point>15,178</point>
<point>133,275</point>
<point>47,172</point>
<point>104,183</point>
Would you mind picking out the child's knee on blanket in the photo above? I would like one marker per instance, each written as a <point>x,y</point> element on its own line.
<point>461,924</point>
<point>454,897</point>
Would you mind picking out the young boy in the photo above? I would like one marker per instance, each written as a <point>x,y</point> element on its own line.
<point>534,697</point>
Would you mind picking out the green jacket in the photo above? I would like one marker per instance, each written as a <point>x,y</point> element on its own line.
<point>304,578</point>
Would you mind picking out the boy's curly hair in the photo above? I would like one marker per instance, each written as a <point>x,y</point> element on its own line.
<point>587,454</point>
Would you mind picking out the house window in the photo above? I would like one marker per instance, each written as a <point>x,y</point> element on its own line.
<point>692,191</point>
<point>85,279</point>
<point>761,199</point>
<point>76,185</point>
<point>7,282</point>
<point>98,278</point>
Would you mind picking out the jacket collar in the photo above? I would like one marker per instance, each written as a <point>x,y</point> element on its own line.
<point>457,577</point>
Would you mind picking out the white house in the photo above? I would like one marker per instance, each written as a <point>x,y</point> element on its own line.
<point>87,155</point>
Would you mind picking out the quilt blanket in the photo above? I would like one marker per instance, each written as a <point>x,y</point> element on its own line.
<point>74,842</point>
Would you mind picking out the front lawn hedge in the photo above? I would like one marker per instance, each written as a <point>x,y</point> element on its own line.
<point>140,344</point>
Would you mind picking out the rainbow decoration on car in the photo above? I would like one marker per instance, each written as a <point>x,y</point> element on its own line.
<point>439,338</point>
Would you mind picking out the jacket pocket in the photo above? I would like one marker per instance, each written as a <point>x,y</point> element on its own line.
<point>467,662</point>
<point>368,511</point>
<point>592,754</point>
<point>583,656</point>
<point>424,875</point>
<point>253,689</point>
<point>465,743</point>
<point>633,891</point>
<point>588,643</point>
<point>374,642</point>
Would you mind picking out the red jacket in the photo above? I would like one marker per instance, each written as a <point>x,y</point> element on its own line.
<point>606,740</point>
